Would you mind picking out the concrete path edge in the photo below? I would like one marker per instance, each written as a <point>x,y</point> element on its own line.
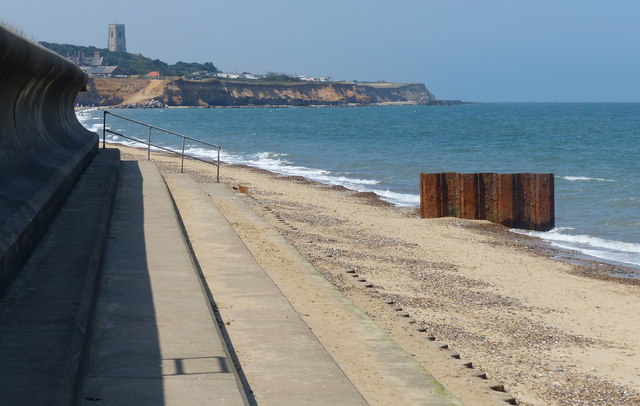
<point>106,162</point>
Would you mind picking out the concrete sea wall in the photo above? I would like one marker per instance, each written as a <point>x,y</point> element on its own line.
<point>43,147</point>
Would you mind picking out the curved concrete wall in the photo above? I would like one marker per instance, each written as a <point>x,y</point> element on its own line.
<point>43,147</point>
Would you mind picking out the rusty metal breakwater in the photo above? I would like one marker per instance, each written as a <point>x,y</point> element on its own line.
<point>520,200</point>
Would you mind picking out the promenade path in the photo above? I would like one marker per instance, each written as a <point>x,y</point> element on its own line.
<point>185,315</point>
<point>153,339</point>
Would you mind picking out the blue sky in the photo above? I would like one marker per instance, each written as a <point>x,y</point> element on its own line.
<point>475,50</point>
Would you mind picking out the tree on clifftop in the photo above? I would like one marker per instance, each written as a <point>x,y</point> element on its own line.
<point>185,68</point>
<point>280,77</point>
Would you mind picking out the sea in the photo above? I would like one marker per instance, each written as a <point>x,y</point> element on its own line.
<point>593,150</point>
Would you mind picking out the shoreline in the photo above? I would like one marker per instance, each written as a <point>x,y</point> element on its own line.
<point>552,332</point>
<point>591,266</point>
<point>598,268</point>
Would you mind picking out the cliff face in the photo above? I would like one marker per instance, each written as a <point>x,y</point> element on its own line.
<point>218,93</point>
<point>179,92</point>
<point>111,92</point>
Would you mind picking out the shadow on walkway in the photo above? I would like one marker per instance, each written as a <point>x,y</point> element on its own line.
<point>124,356</point>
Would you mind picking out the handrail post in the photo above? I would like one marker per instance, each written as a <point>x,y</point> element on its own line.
<point>182,156</point>
<point>218,167</point>
<point>104,128</point>
<point>149,146</point>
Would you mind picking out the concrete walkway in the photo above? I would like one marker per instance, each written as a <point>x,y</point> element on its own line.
<point>283,360</point>
<point>153,339</point>
<point>171,329</point>
<point>380,369</point>
<point>45,312</point>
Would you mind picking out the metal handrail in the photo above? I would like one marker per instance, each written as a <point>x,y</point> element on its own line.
<point>149,144</point>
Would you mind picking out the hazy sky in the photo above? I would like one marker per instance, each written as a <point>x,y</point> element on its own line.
<point>475,50</point>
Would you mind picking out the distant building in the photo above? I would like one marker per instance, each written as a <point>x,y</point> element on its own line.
<point>101,71</point>
<point>93,65</point>
<point>153,75</point>
<point>315,79</point>
<point>227,75</point>
<point>117,41</point>
<point>250,76</point>
<point>81,60</point>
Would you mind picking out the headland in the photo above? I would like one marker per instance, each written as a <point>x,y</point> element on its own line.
<point>179,92</point>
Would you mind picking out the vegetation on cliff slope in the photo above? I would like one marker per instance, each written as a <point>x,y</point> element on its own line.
<point>132,64</point>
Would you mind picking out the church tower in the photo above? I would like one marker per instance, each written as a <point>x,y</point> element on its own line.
<point>116,38</point>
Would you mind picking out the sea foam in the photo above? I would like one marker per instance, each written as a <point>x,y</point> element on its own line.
<point>608,250</point>
<point>585,179</point>
<point>277,163</point>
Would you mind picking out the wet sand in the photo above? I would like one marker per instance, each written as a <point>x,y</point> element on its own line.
<point>552,332</point>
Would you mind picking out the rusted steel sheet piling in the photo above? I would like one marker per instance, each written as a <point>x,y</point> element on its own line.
<point>520,200</point>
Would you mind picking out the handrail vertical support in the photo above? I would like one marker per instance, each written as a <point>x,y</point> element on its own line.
<point>149,146</point>
<point>160,147</point>
<point>182,162</point>
<point>104,128</point>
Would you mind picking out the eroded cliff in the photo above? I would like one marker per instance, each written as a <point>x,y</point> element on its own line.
<point>205,93</point>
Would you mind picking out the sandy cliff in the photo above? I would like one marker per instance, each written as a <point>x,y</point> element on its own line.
<point>204,93</point>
